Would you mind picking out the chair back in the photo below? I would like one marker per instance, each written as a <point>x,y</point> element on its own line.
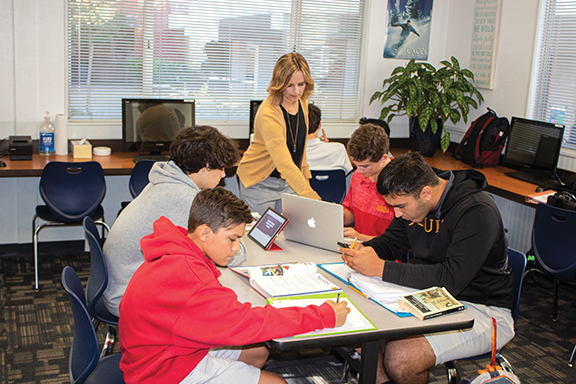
<point>139,177</point>
<point>98,279</point>
<point>72,190</point>
<point>516,262</point>
<point>84,354</point>
<point>330,185</point>
<point>554,241</point>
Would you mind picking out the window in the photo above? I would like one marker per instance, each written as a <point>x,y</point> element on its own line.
<point>554,96</point>
<point>219,52</point>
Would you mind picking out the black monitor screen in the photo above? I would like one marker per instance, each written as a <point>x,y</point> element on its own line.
<point>254,104</point>
<point>150,125</point>
<point>533,145</point>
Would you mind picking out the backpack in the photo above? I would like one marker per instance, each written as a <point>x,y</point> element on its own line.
<point>483,142</point>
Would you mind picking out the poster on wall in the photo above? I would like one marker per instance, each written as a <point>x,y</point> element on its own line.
<point>484,42</point>
<point>408,29</point>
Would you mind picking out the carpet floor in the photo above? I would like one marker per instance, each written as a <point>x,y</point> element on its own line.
<point>36,331</point>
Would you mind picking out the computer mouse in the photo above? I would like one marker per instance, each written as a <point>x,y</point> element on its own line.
<point>2,164</point>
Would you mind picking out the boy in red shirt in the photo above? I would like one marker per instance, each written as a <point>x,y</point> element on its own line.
<point>175,317</point>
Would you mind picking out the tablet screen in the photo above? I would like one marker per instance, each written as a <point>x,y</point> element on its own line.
<point>267,228</point>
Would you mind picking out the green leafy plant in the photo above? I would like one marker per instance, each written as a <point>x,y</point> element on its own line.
<point>420,91</point>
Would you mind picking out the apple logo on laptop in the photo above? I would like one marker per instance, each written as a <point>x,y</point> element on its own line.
<point>312,222</point>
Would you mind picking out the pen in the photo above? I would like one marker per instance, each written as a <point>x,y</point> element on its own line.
<point>338,298</point>
<point>353,243</point>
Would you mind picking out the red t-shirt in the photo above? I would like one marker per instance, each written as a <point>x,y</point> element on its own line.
<point>372,214</point>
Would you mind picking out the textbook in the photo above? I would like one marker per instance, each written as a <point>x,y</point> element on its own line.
<point>286,279</point>
<point>382,292</point>
<point>430,302</point>
<point>356,321</point>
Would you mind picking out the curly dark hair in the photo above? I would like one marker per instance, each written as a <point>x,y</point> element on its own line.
<point>197,147</point>
<point>217,208</point>
<point>368,142</point>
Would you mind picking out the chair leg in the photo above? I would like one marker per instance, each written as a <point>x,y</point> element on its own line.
<point>571,361</point>
<point>555,309</point>
<point>109,342</point>
<point>504,363</point>
<point>35,245</point>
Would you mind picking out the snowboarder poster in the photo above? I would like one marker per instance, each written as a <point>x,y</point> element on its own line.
<point>408,29</point>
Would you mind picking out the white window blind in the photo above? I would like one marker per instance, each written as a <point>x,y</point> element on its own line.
<point>554,97</point>
<point>218,52</point>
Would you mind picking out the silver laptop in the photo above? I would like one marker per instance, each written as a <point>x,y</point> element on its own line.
<point>316,223</point>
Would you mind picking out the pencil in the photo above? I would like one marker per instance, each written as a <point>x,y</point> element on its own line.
<point>353,243</point>
<point>338,298</point>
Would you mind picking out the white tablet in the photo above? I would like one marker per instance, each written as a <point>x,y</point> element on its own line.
<point>265,231</point>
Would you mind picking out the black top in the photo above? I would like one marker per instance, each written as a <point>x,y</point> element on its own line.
<point>295,128</point>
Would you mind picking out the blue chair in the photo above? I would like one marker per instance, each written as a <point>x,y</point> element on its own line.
<point>97,283</point>
<point>71,192</point>
<point>84,364</point>
<point>330,185</point>
<point>138,179</point>
<point>554,245</point>
<point>517,262</point>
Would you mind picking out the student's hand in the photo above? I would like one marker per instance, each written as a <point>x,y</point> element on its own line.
<point>340,310</point>
<point>351,233</point>
<point>323,138</point>
<point>363,260</point>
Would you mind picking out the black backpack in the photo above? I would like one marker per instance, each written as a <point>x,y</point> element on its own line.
<point>483,142</point>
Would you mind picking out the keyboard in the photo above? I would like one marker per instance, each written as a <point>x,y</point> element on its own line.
<point>137,158</point>
<point>534,178</point>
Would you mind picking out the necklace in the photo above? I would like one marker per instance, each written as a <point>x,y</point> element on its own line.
<point>297,127</point>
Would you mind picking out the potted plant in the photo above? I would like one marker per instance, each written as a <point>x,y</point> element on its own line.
<point>428,97</point>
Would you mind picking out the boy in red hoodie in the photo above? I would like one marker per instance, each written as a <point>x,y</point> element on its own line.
<point>175,317</point>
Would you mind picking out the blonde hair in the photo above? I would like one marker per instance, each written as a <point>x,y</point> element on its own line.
<point>284,70</point>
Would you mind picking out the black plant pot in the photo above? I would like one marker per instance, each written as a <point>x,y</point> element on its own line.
<point>425,142</point>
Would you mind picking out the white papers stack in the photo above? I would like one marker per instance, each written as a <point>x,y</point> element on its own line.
<point>383,292</point>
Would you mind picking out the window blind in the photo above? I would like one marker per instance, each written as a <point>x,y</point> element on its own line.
<point>554,96</point>
<point>218,52</point>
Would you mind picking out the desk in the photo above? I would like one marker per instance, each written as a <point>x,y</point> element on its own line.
<point>389,325</point>
<point>118,163</point>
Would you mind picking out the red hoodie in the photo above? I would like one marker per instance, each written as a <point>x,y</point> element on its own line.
<point>174,310</point>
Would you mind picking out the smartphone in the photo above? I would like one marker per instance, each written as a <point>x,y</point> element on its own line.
<point>343,245</point>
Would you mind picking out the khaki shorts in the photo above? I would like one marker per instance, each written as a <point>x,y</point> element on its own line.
<point>454,345</point>
<point>221,366</point>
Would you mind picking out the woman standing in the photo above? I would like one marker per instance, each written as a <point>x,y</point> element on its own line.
<point>275,162</point>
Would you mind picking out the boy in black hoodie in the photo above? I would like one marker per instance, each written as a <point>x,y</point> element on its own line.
<point>455,234</point>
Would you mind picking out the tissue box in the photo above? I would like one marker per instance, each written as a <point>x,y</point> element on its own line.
<point>81,151</point>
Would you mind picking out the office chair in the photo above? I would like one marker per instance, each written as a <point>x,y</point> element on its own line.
<point>554,245</point>
<point>138,179</point>
<point>97,283</point>
<point>84,363</point>
<point>517,262</point>
<point>330,185</point>
<point>71,192</point>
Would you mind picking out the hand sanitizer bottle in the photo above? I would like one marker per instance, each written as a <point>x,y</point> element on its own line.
<point>47,136</point>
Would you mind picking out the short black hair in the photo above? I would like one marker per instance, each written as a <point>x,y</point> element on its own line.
<point>382,123</point>
<point>406,174</point>
<point>368,142</point>
<point>217,208</point>
<point>314,118</point>
<point>197,147</point>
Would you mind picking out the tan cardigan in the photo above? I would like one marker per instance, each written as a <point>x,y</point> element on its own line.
<point>268,151</point>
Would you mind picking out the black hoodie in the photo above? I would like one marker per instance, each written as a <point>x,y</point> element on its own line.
<point>461,245</point>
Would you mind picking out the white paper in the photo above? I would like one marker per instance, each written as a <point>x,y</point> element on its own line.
<point>61,135</point>
<point>274,286</point>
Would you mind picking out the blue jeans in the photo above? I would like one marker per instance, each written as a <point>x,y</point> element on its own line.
<point>267,193</point>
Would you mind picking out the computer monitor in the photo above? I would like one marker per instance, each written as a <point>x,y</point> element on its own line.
<point>254,104</point>
<point>150,125</point>
<point>533,147</point>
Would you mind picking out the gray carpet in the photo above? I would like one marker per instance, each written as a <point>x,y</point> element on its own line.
<point>36,331</point>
